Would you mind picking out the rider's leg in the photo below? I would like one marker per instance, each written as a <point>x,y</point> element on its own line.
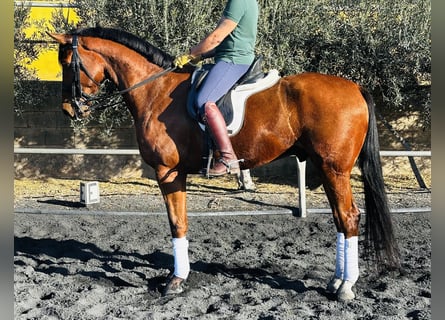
<point>227,162</point>
<point>222,76</point>
<point>218,82</point>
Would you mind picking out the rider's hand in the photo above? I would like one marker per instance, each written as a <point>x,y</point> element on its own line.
<point>182,60</point>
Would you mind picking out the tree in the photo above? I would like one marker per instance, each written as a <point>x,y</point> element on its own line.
<point>384,46</point>
<point>25,51</point>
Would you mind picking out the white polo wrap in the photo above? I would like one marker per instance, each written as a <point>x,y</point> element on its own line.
<point>180,254</point>
<point>340,256</point>
<point>351,259</point>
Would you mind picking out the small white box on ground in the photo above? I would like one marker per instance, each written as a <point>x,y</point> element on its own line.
<point>89,192</point>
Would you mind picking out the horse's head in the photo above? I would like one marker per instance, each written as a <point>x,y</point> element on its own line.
<point>82,72</point>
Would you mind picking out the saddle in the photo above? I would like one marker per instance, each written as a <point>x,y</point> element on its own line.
<point>232,104</point>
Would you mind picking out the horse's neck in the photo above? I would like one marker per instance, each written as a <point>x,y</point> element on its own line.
<point>127,68</point>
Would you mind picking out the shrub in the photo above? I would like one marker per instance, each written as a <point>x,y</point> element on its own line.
<point>384,46</point>
<point>24,53</point>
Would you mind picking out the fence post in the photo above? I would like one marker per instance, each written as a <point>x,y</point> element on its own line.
<point>301,165</point>
<point>302,187</point>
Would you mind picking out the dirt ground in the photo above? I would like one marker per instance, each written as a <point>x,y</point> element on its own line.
<point>90,262</point>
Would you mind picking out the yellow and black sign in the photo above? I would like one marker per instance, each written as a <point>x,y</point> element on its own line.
<point>41,13</point>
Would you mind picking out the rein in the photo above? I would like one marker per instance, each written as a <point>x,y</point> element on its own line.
<point>76,88</point>
<point>120,92</point>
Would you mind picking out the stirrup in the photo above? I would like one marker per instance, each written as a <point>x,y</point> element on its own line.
<point>229,168</point>
<point>229,164</point>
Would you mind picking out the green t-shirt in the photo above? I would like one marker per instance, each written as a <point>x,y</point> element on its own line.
<point>238,47</point>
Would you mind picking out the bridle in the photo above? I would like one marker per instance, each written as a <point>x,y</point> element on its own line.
<point>80,98</point>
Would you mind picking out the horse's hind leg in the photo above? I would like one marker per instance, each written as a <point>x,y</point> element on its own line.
<point>346,216</point>
<point>245,181</point>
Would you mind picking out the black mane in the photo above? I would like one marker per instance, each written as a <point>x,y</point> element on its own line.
<point>153,54</point>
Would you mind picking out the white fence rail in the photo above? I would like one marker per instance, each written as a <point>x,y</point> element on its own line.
<point>77,151</point>
<point>136,152</point>
<point>301,165</point>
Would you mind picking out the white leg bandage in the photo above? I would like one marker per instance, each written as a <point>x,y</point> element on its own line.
<point>181,256</point>
<point>340,256</point>
<point>351,259</point>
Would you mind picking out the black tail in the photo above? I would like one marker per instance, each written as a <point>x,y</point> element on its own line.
<point>379,233</point>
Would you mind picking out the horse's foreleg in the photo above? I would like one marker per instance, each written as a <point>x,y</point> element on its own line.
<point>172,185</point>
<point>346,217</point>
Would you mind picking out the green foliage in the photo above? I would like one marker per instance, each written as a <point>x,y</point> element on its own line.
<point>24,53</point>
<point>383,45</point>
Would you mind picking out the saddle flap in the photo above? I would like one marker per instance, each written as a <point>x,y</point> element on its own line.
<point>198,77</point>
<point>232,104</point>
<point>240,94</point>
<point>253,74</point>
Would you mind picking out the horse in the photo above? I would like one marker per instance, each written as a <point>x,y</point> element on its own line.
<point>325,118</point>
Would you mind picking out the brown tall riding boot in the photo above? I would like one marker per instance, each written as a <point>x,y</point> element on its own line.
<point>228,162</point>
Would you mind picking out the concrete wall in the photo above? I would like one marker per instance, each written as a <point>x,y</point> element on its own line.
<point>45,125</point>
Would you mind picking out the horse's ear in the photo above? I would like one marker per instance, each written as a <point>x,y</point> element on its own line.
<point>61,37</point>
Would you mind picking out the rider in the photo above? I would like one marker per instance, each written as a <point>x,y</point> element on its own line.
<point>232,44</point>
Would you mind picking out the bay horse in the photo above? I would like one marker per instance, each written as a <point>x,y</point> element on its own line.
<point>325,118</point>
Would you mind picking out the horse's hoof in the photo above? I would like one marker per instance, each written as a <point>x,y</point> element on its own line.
<point>175,285</point>
<point>333,285</point>
<point>345,293</point>
<point>247,187</point>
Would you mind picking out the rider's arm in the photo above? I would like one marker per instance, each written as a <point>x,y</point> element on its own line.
<point>214,38</point>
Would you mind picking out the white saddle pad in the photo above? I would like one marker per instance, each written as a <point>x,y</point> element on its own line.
<point>240,95</point>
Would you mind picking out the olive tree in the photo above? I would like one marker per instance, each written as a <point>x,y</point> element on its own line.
<point>383,45</point>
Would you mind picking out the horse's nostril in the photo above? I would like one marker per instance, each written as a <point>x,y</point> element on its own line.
<point>66,113</point>
<point>68,110</point>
